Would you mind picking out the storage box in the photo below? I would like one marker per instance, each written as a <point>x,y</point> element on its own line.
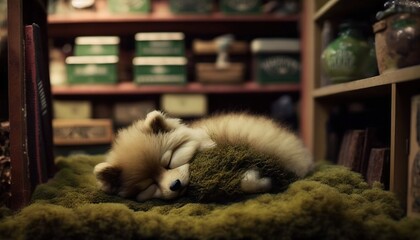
<point>191,6</point>
<point>241,6</point>
<point>160,70</point>
<point>129,6</point>
<point>91,69</point>
<point>276,60</point>
<point>70,150</point>
<point>95,46</point>
<point>207,47</point>
<point>72,109</point>
<point>160,44</point>
<point>184,105</point>
<point>82,131</point>
<point>128,112</point>
<point>209,73</point>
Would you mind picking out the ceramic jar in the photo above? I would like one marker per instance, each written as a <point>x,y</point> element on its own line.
<point>349,56</point>
<point>397,35</point>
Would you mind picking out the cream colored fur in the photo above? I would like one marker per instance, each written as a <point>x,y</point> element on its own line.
<point>263,135</point>
<point>150,159</point>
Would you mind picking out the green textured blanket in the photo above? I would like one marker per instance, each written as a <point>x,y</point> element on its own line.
<point>331,203</point>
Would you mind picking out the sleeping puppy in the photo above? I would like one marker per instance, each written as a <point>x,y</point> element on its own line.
<point>150,158</point>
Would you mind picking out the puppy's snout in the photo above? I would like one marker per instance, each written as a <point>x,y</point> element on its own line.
<point>175,185</point>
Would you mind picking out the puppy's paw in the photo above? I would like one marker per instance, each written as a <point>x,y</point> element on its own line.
<point>252,182</point>
<point>108,177</point>
<point>152,191</point>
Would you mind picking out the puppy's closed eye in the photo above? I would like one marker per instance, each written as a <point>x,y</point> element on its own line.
<point>179,156</point>
<point>183,154</point>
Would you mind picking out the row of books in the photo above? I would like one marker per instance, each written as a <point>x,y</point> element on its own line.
<point>363,151</point>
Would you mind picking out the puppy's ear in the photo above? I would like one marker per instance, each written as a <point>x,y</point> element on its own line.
<point>108,177</point>
<point>158,123</point>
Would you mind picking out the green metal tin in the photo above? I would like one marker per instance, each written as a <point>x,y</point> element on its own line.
<point>276,60</point>
<point>160,44</point>
<point>191,6</point>
<point>92,69</point>
<point>241,6</point>
<point>160,70</point>
<point>129,6</point>
<point>96,46</point>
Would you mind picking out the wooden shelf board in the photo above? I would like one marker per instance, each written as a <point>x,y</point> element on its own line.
<point>129,88</point>
<point>160,13</point>
<point>340,8</point>
<point>72,25</point>
<point>325,8</point>
<point>401,75</point>
<point>80,18</point>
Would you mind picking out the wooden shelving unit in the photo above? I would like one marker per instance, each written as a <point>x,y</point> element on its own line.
<point>394,88</point>
<point>245,27</point>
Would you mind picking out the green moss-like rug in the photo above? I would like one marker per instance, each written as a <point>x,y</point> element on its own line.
<point>331,203</point>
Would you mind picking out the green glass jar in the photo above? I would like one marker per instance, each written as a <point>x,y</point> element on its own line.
<point>349,56</point>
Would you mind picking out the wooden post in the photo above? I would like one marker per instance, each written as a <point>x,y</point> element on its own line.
<point>20,186</point>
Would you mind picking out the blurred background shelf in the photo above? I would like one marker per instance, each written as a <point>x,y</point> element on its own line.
<point>129,88</point>
<point>104,24</point>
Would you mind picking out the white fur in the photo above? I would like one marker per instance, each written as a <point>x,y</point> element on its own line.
<point>252,182</point>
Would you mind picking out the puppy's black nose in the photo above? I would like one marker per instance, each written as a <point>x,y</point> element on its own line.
<point>175,185</point>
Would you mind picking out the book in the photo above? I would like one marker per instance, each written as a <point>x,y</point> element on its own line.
<point>413,191</point>
<point>371,141</point>
<point>125,113</point>
<point>38,108</point>
<point>378,165</point>
<point>351,150</point>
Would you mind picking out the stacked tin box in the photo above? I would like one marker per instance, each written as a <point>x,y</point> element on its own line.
<point>95,60</point>
<point>232,7</point>
<point>228,7</point>
<point>276,60</point>
<point>129,6</point>
<point>191,6</point>
<point>160,58</point>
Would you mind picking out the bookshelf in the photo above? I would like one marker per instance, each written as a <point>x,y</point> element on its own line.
<point>391,91</point>
<point>65,27</point>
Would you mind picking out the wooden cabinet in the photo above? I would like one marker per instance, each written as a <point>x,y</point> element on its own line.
<point>248,95</point>
<point>387,96</point>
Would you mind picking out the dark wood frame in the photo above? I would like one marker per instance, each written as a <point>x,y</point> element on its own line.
<point>21,13</point>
